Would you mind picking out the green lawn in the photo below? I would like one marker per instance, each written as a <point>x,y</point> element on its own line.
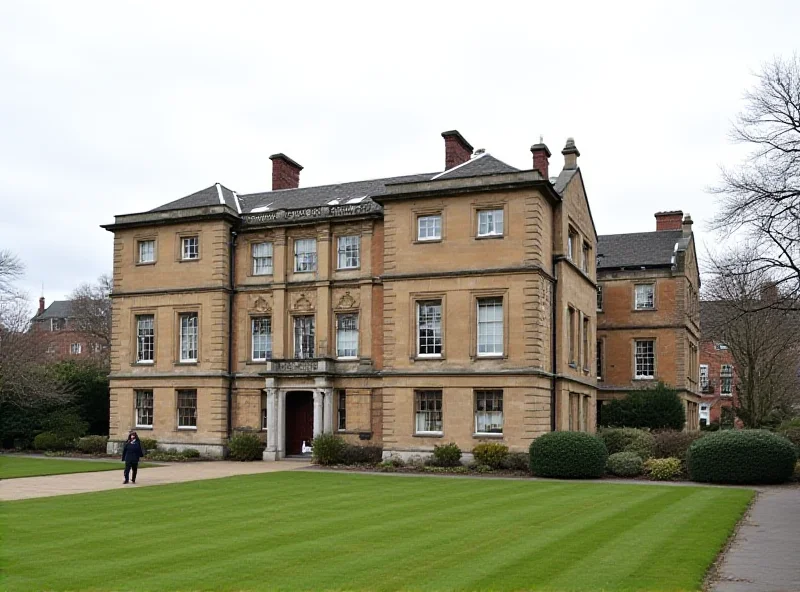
<point>329,531</point>
<point>12,467</point>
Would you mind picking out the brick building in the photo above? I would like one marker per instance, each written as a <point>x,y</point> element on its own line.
<point>648,323</point>
<point>403,312</point>
<point>57,328</point>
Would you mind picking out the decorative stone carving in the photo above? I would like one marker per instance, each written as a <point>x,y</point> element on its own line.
<point>304,302</point>
<point>262,304</point>
<point>319,212</point>
<point>346,301</point>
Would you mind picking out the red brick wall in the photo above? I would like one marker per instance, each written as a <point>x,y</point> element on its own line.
<point>714,358</point>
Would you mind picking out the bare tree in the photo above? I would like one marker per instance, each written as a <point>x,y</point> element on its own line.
<point>11,269</point>
<point>749,314</point>
<point>91,309</point>
<point>761,197</point>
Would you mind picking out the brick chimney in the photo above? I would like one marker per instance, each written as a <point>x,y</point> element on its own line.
<point>456,149</point>
<point>41,306</point>
<point>770,292</point>
<point>669,220</point>
<point>541,159</point>
<point>571,154</point>
<point>686,226</point>
<point>285,172</point>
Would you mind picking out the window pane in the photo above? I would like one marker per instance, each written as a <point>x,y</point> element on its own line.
<point>599,297</point>
<point>341,408</point>
<point>429,227</point>
<point>644,296</point>
<point>190,247</point>
<point>147,251</point>
<point>262,258</point>
<point>429,322</point>
<point>490,223</point>
<point>645,359</point>
<point>304,337</point>
<point>305,255</point>
<point>490,326</point>
<point>347,335</point>
<point>428,416</point>
<point>188,337</point>
<point>489,412</point>
<point>348,252</point>
<point>145,338</point>
<point>262,338</point>
<point>144,408</point>
<point>187,408</point>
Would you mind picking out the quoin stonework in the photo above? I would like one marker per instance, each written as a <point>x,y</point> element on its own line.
<point>451,306</point>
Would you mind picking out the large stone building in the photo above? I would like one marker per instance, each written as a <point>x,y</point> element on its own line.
<point>648,317</point>
<point>402,312</point>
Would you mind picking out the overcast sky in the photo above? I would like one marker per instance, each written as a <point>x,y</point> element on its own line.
<point>116,107</point>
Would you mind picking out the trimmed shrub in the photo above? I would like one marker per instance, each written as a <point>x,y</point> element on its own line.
<point>148,444</point>
<point>491,454</point>
<point>663,469</point>
<point>446,455</point>
<point>352,454</point>
<point>517,461</point>
<point>53,441</point>
<point>192,453</point>
<point>568,455</point>
<point>741,456</point>
<point>244,446</point>
<point>92,444</point>
<point>394,462</point>
<point>629,440</point>
<point>327,449</point>
<point>654,408</point>
<point>625,464</point>
<point>673,444</point>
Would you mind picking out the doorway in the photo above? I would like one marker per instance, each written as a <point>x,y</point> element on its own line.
<point>299,420</point>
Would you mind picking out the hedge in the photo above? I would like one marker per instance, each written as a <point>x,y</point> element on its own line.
<point>245,446</point>
<point>663,469</point>
<point>53,441</point>
<point>654,408</point>
<point>629,440</point>
<point>568,455</point>
<point>741,456</point>
<point>673,444</point>
<point>93,444</point>
<point>327,449</point>
<point>491,454</point>
<point>625,464</point>
<point>446,455</point>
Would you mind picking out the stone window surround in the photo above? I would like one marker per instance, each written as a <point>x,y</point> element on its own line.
<point>140,238</point>
<point>417,213</point>
<point>475,296</point>
<point>179,236</point>
<point>134,333</point>
<point>414,300</point>
<point>177,312</point>
<point>478,207</point>
<point>250,318</point>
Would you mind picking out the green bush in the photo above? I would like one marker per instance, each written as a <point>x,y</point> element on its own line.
<point>673,444</point>
<point>625,464</point>
<point>517,461</point>
<point>53,441</point>
<point>191,453</point>
<point>352,454</point>
<point>92,444</point>
<point>629,440</point>
<point>568,455</point>
<point>148,444</point>
<point>458,470</point>
<point>663,469</point>
<point>394,462</point>
<point>170,455</point>
<point>741,456</point>
<point>245,446</point>
<point>654,408</point>
<point>446,455</point>
<point>65,423</point>
<point>491,454</point>
<point>327,449</point>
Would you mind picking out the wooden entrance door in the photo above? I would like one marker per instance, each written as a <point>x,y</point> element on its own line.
<point>299,420</point>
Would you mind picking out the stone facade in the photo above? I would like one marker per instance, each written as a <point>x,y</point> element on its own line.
<point>345,349</point>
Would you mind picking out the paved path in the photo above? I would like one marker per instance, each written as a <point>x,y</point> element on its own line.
<point>30,487</point>
<point>765,554</point>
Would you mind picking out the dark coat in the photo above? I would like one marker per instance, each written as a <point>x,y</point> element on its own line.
<point>132,451</point>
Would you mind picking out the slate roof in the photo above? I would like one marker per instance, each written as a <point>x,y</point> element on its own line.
<point>640,249</point>
<point>58,309</point>
<point>307,197</point>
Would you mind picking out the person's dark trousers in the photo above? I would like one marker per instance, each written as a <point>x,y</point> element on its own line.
<point>131,467</point>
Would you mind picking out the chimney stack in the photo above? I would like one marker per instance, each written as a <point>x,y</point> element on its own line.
<point>541,159</point>
<point>687,225</point>
<point>669,220</point>
<point>571,154</point>
<point>770,292</point>
<point>41,306</point>
<point>456,149</point>
<point>285,172</point>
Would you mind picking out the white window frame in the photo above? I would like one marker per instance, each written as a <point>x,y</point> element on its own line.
<point>703,378</point>
<point>643,300</point>
<point>305,255</point>
<point>493,328</point>
<point>429,227</point>
<point>262,254</point>
<point>726,377</point>
<point>141,410</point>
<point>185,412</point>
<point>143,251</point>
<point>428,411</point>
<point>346,348</point>
<point>491,398</point>
<point>437,333</point>
<point>75,349</point>
<point>637,353</point>
<point>188,341</point>
<point>348,250</point>
<point>190,248</point>
<point>301,351</point>
<point>491,222</point>
<point>264,337</point>
<point>145,336</point>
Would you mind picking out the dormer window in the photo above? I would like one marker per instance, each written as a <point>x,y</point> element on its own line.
<point>57,324</point>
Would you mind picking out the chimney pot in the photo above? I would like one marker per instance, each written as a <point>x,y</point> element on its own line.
<point>456,149</point>
<point>541,159</point>
<point>41,305</point>
<point>285,172</point>
<point>687,225</point>
<point>571,154</point>
<point>669,220</point>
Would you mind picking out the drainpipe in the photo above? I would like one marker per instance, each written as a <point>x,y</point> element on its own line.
<point>232,266</point>
<point>553,344</point>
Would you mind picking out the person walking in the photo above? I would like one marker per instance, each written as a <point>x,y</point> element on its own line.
<point>132,451</point>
